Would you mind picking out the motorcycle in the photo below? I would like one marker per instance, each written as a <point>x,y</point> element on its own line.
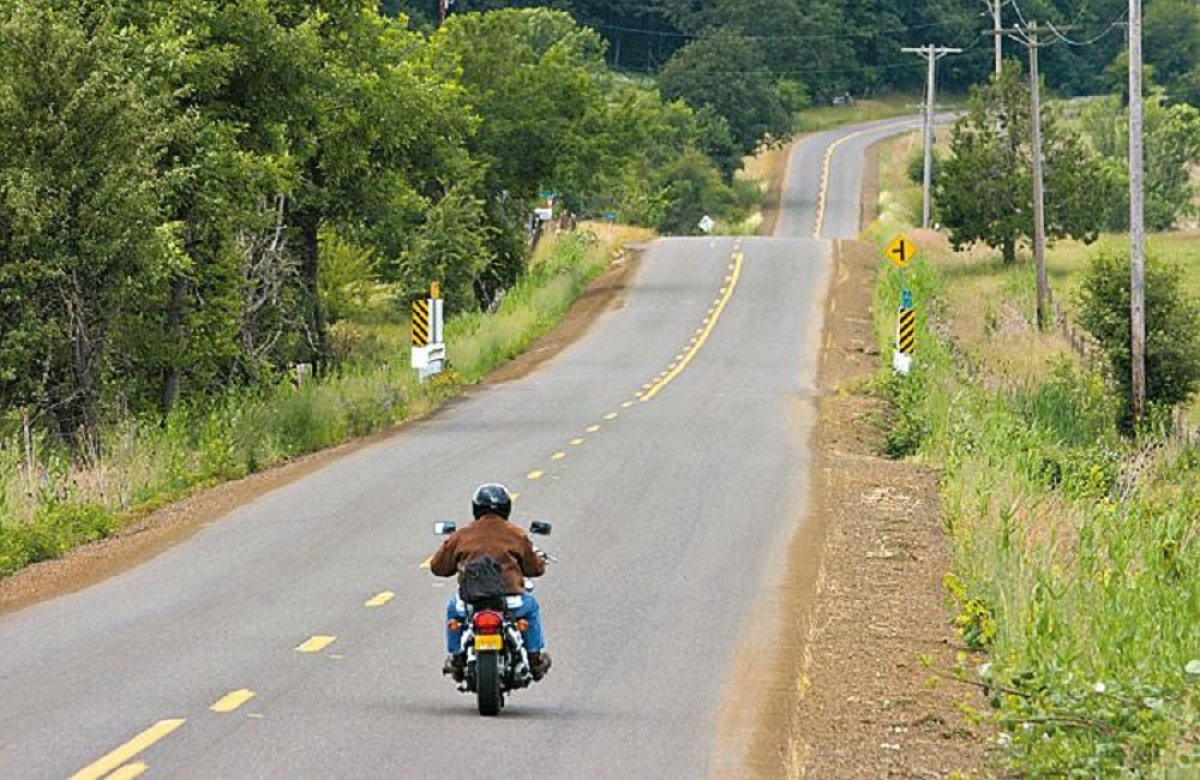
<point>497,662</point>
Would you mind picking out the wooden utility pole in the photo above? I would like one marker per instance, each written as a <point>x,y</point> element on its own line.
<point>441,11</point>
<point>1039,196</point>
<point>1028,37</point>
<point>1137,235</point>
<point>931,54</point>
<point>996,33</point>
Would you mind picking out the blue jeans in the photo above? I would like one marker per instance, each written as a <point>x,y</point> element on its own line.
<point>535,642</point>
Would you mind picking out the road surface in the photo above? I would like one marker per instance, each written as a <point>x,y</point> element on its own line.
<point>300,636</point>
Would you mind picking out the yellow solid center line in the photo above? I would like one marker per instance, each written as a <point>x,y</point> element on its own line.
<point>710,323</point>
<point>379,599</point>
<point>576,442</point>
<point>129,771</point>
<point>819,225</point>
<point>232,700</point>
<point>316,644</point>
<point>534,475</point>
<point>127,751</point>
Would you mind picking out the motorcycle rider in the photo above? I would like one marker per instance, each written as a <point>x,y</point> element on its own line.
<point>492,534</point>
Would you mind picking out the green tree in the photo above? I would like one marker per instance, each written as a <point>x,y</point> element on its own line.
<point>1172,45</point>
<point>1172,327</point>
<point>728,74</point>
<point>81,238</point>
<point>1171,134</point>
<point>984,188</point>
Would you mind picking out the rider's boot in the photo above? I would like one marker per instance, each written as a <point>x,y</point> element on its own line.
<point>456,666</point>
<point>539,664</point>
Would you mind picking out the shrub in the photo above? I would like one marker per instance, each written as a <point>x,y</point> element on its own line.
<point>1172,328</point>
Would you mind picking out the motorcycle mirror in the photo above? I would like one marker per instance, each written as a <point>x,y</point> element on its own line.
<point>540,527</point>
<point>444,529</point>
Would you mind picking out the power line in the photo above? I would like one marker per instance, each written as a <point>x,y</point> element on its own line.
<point>812,37</point>
<point>1111,26</point>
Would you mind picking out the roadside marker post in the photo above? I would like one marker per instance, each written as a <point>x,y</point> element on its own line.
<point>428,334</point>
<point>900,251</point>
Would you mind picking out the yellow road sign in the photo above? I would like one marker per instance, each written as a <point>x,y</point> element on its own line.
<point>435,290</point>
<point>901,250</point>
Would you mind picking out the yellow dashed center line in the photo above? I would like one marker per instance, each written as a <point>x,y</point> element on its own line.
<point>116,758</point>
<point>426,563</point>
<point>379,599</point>
<point>576,442</point>
<point>316,644</point>
<point>558,456</point>
<point>534,475</point>
<point>626,404</point>
<point>514,495</point>
<point>710,323</point>
<point>232,700</point>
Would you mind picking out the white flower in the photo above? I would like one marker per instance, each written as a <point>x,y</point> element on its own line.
<point>1099,687</point>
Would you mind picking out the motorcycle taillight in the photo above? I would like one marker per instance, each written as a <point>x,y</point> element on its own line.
<point>488,622</point>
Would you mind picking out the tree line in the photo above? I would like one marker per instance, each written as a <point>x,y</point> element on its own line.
<point>185,187</point>
<point>834,46</point>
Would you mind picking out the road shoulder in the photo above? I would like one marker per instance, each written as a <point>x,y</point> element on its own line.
<point>864,622</point>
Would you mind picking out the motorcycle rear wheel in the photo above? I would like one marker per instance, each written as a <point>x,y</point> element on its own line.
<point>487,684</point>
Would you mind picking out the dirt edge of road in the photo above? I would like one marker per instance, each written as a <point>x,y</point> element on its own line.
<point>863,621</point>
<point>162,529</point>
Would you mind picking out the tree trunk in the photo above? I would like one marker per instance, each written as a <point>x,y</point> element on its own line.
<point>1010,250</point>
<point>308,224</point>
<point>170,389</point>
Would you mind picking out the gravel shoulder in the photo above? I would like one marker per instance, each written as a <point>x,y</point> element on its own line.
<point>864,625</point>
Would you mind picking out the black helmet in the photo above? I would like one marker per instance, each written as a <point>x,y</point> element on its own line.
<point>491,499</point>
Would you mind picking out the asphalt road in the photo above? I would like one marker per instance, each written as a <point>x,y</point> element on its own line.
<point>667,446</point>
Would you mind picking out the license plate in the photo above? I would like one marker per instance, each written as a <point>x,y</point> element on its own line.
<point>489,642</point>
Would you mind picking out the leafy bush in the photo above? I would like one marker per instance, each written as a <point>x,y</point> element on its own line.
<point>1172,327</point>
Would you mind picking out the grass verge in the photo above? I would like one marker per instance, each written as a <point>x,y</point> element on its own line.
<point>1076,552</point>
<point>56,505</point>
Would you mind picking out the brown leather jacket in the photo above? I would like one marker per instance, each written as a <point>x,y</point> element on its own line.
<point>490,535</point>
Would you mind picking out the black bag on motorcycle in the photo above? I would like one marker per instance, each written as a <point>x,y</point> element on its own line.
<point>482,579</point>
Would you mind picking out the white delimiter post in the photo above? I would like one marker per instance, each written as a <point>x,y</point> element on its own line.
<point>1137,235</point>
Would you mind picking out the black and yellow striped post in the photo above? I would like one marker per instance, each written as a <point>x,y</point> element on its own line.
<point>906,332</point>
<point>420,323</point>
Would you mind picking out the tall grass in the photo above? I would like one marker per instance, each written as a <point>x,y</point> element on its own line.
<point>1077,557</point>
<point>47,510</point>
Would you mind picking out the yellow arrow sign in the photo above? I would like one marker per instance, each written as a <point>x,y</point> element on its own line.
<point>901,250</point>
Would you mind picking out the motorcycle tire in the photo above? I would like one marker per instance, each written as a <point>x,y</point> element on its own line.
<point>487,684</point>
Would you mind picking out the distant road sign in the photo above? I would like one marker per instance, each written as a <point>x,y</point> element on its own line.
<point>707,224</point>
<point>901,250</point>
